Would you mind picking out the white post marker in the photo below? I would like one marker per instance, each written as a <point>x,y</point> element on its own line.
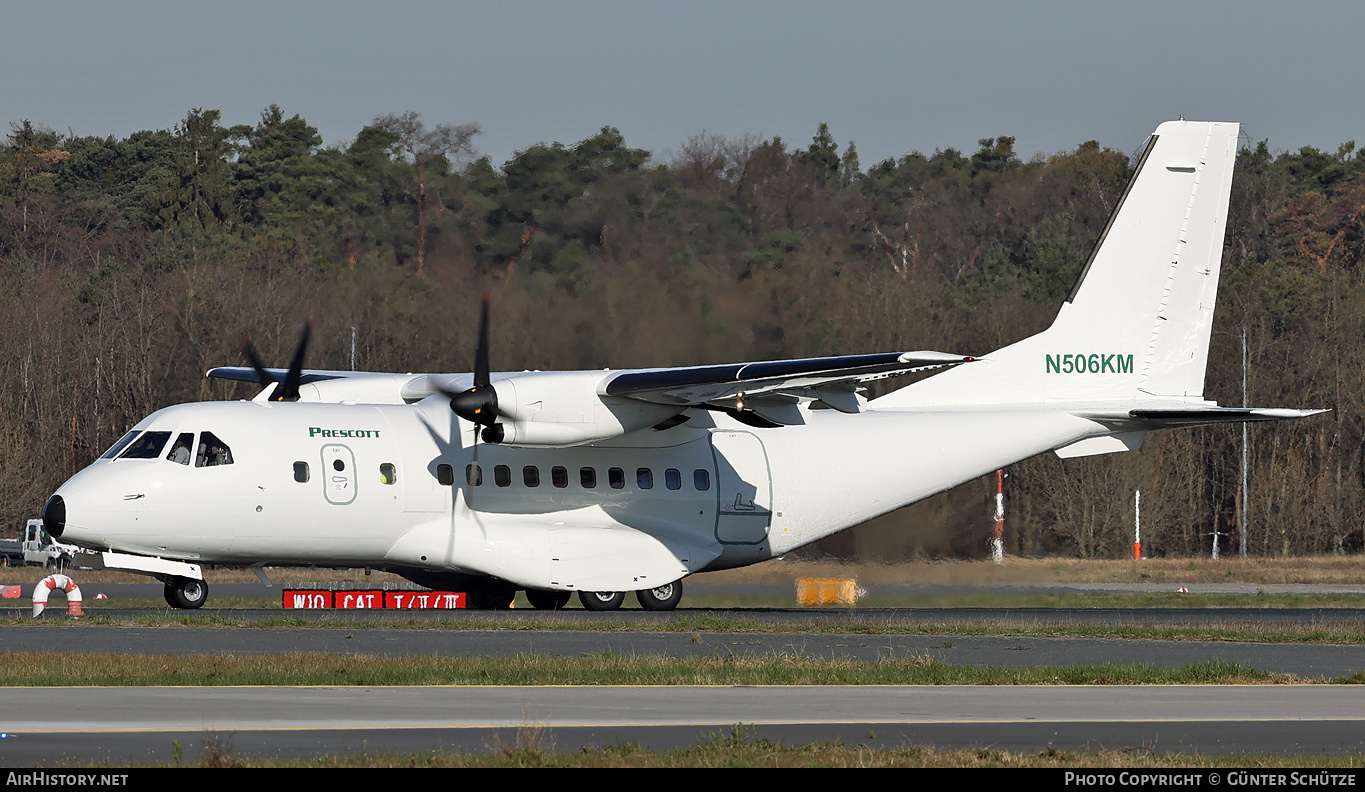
<point>1137,525</point>
<point>998,543</point>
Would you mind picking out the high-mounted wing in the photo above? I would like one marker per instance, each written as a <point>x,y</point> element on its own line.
<point>567,408</point>
<point>772,389</point>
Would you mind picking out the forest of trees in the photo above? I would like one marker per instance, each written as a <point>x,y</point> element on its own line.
<point>130,266</point>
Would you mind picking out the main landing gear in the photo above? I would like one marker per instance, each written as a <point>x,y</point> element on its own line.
<point>186,593</point>
<point>660,598</point>
<point>547,600</point>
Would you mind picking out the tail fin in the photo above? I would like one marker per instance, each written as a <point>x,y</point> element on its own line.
<point>1137,323</point>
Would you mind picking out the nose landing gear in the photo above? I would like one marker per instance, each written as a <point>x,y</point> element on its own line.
<point>186,593</point>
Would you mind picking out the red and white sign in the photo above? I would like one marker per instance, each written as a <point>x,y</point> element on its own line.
<point>363,600</point>
<point>307,599</point>
<point>358,600</point>
<point>424,600</point>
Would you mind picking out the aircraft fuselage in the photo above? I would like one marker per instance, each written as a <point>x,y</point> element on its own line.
<point>392,486</point>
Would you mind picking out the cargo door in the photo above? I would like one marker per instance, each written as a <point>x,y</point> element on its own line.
<point>743,488</point>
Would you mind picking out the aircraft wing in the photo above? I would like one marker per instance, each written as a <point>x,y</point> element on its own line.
<point>767,386</point>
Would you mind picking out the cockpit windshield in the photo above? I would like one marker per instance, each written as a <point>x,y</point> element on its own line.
<point>120,445</point>
<point>212,451</point>
<point>148,446</point>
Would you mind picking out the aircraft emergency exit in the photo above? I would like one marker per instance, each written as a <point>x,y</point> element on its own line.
<point>606,482</point>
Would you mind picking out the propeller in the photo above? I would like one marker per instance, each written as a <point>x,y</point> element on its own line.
<point>288,390</point>
<point>479,404</point>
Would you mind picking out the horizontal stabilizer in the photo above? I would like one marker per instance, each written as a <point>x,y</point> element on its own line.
<point>248,374</point>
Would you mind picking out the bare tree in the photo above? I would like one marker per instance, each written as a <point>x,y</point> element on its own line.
<point>450,143</point>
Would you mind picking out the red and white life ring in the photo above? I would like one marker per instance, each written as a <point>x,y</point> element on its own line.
<point>51,583</point>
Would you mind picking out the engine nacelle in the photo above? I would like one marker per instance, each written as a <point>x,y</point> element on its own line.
<point>559,409</point>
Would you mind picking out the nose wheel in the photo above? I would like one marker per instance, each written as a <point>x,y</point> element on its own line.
<point>186,593</point>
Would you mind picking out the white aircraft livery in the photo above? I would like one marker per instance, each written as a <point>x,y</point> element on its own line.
<point>606,482</point>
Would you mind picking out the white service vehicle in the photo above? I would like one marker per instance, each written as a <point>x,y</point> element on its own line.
<point>604,482</point>
<point>40,549</point>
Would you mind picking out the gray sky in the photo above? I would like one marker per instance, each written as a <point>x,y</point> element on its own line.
<point>891,76</point>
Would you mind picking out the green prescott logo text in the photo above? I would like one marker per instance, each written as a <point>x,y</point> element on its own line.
<point>1093,363</point>
<point>315,431</point>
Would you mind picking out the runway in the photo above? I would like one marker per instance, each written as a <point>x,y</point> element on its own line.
<point>120,725</point>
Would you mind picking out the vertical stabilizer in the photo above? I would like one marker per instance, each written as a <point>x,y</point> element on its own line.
<point>1137,324</point>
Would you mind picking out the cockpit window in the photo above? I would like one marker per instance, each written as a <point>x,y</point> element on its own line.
<point>119,446</point>
<point>212,451</point>
<point>180,449</point>
<point>148,446</point>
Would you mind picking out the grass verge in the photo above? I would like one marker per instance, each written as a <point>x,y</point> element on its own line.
<point>44,669</point>
<point>704,622</point>
<point>533,746</point>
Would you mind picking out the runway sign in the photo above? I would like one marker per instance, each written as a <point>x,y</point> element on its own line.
<point>360,600</point>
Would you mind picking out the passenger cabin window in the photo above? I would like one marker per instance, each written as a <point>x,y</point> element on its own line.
<point>180,449</point>
<point>502,475</point>
<point>672,479</point>
<point>473,475</point>
<point>388,474</point>
<point>148,446</point>
<point>644,478</point>
<point>701,479</point>
<point>559,476</point>
<point>587,477</point>
<point>445,475</point>
<point>119,446</point>
<point>616,477</point>
<point>530,476</point>
<point>301,472</point>
<point>212,451</point>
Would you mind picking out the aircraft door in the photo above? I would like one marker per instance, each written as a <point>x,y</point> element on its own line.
<point>743,488</point>
<point>338,474</point>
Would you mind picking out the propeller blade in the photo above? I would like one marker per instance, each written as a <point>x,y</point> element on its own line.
<point>479,404</point>
<point>481,368</point>
<point>262,376</point>
<point>289,390</point>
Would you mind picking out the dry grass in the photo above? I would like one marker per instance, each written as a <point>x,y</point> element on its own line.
<point>51,669</point>
<point>741,746</point>
<point>1313,569</point>
<point>1344,569</point>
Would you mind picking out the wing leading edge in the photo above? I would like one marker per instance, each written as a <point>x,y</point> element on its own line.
<point>771,388</point>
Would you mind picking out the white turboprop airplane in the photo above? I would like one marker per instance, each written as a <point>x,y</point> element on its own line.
<point>604,482</point>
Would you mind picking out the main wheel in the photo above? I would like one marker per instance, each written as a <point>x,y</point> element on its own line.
<point>490,596</point>
<point>601,600</point>
<point>660,598</point>
<point>541,599</point>
<point>186,593</point>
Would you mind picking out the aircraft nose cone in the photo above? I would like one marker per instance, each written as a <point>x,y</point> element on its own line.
<point>54,515</point>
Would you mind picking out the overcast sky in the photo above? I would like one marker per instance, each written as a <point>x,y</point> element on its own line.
<point>891,76</point>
